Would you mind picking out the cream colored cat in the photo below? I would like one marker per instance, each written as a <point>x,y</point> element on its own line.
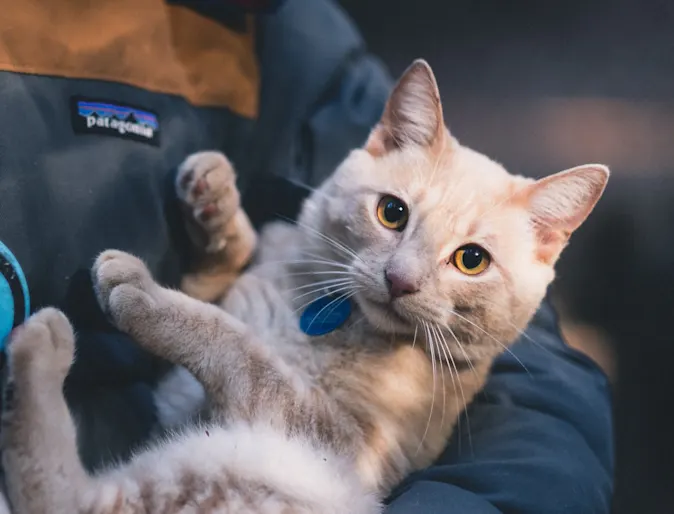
<point>444,258</point>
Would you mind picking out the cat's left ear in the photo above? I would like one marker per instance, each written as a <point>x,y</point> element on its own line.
<point>413,113</point>
<point>560,203</point>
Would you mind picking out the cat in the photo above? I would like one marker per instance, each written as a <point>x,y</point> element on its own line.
<point>429,258</point>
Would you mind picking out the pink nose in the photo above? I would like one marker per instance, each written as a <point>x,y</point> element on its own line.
<point>398,285</point>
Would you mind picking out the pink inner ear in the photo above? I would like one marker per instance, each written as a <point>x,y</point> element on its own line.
<point>559,204</point>
<point>413,113</point>
<point>563,201</point>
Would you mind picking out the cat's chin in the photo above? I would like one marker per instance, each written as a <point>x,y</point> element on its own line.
<point>383,317</point>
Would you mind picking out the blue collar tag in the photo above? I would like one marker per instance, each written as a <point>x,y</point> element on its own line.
<point>325,315</point>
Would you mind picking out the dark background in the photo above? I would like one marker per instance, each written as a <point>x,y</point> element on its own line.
<point>542,86</point>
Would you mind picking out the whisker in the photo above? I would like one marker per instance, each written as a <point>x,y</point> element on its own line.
<point>442,375</point>
<point>328,293</point>
<point>522,333</point>
<point>307,261</point>
<point>304,186</point>
<point>447,353</point>
<point>315,255</point>
<point>429,340</point>
<point>320,288</point>
<point>526,336</point>
<point>336,272</point>
<point>494,339</point>
<point>331,241</point>
<point>465,405</point>
<point>319,283</point>
<point>352,294</point>
<point>358,321</point>
<point>339,299</point>
<point>463,351</point>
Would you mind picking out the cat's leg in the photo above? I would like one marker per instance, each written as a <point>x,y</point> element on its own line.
<point>43,471</point>
<point>223,239</point>
<point>244,378</point>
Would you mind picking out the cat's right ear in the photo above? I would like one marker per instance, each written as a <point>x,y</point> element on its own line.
<point>413,113</point>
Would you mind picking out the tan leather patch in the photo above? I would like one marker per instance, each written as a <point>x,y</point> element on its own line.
<point>144,43</point>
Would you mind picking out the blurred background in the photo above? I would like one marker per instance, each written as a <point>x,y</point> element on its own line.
<point>544,86</point>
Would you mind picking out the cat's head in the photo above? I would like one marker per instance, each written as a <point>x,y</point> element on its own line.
<point>439,239</point>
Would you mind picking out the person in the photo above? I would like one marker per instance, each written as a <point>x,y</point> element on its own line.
<point>101,102</point>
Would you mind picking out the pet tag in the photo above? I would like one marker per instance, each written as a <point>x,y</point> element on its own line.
<point>325,315</point>
<point>14,300</point>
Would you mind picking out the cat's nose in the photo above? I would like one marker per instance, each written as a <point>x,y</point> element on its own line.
<point>398,285</point>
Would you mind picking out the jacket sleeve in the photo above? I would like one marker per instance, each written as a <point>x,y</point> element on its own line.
<point>537,440</point>
<point>321,94</point>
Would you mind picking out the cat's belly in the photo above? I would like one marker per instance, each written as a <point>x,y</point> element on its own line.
<point>240,469</point>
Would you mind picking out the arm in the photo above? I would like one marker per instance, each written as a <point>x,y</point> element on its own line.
<point>541,440</point>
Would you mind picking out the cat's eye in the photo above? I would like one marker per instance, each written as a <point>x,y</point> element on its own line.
<point>471,259</point>
<point>392,212</point>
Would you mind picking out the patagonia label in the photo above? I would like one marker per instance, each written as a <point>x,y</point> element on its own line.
<point>107,118</point>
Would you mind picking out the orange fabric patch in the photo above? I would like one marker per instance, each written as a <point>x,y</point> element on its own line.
<point>144,43</point>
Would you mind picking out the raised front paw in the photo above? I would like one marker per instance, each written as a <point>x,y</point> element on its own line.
<point>45,343</point>
<point>124,286</point>
<point>206,184</point>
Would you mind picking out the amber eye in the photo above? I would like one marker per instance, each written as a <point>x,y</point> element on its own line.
<point>471,259</point>
<point>392,212</point>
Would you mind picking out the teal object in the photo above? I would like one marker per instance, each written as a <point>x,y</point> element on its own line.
<point>14,295</point>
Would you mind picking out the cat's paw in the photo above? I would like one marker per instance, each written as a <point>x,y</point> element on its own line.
<point>45,343</point>
<point>206,184</point>
<point>122,283</point>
